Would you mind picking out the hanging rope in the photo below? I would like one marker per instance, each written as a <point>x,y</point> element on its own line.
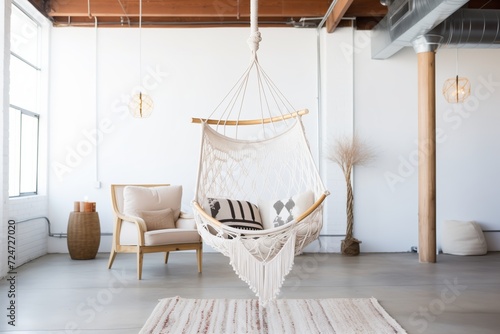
<point>266,102</point>
<point>254,39</point>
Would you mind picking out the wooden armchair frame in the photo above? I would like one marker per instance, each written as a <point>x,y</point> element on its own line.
<point>141,248</point>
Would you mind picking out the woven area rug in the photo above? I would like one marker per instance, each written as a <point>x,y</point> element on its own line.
<point>339,315</point>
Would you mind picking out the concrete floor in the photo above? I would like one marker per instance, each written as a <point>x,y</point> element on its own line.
<point>55,294</point>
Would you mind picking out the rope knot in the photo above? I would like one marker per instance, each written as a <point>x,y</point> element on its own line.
<point>254,40</point>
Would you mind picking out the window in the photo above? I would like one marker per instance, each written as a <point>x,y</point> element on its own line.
<point>24,104</point>
<point>23,153</point>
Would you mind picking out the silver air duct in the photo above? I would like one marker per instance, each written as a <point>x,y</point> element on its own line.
<point>407,20</point>
<point>470,28</point>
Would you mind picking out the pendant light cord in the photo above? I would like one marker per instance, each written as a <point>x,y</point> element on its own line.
<point>140,41</point>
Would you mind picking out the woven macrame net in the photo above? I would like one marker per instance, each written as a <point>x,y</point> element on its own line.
<point>273,162</point>
<point>259,171</point>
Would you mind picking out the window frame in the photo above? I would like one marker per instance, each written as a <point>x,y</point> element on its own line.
<point>30,113</point>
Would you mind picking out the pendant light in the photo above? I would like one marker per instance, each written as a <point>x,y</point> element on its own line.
<point>141,105</point>
<point>457,89</point>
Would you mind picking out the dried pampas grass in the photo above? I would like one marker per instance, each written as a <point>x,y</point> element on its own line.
<point>348,152</point>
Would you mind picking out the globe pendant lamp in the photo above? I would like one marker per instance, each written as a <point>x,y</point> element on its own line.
<point>141,105</point>
<point>457,89</point>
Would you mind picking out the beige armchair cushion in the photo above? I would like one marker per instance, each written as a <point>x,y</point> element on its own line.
<point>160,208</point>
<point>158,219</point>
<point>171,236</point>
<point>137,199</point>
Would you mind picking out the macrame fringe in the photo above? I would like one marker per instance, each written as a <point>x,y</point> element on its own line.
<point>264,278</point>
<point>262,261</point>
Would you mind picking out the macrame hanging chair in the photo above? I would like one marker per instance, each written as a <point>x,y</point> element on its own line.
<point>260,161</point>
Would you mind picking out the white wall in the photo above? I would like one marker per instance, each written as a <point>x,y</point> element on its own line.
<point>468,186</point>
<point>193,70</point>
<point>469,149</point>
<point>190,70</point>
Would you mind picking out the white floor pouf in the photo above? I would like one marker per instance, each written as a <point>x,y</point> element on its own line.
<point>463,238</point>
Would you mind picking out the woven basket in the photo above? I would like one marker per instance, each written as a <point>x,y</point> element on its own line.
<point>84,235</point>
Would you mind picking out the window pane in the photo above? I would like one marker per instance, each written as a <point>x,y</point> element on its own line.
<point>24,94</point>
<point>29,153</point>
<point>14,151</point>
<point>24,36</point>
<point>23,85</point>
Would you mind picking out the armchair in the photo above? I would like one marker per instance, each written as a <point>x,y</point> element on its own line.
<point>148,219</point>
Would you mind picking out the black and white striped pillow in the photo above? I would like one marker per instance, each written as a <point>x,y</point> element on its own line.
<point>239,214</point>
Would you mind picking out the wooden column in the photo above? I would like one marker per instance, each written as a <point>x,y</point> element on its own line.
<point>426,157</point>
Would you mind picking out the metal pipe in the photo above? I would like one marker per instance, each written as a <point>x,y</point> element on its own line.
<point>470,28</point>
<point>328,12</point>
<point>56,235</point>
<point>320,96</point>
<point>124,12</point>
<point>170,23</point>
<point>406,20</point>
<point>96,104</point>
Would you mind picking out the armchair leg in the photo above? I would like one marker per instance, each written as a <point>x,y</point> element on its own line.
<point>199,255</point>
<point>166,256</point>
<point>140,256</point>
<point>112,256</point>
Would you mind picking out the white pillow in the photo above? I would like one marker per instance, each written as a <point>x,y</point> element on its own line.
<point>137,199</point>
<point>280,212</point>
<point>239,214</point>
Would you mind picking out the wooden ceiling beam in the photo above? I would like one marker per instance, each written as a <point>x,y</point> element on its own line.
<point>200,13</point>
<point>367,14</point>
<point>366,8</point>
<point>186,8</point>
<point>341,7</point>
